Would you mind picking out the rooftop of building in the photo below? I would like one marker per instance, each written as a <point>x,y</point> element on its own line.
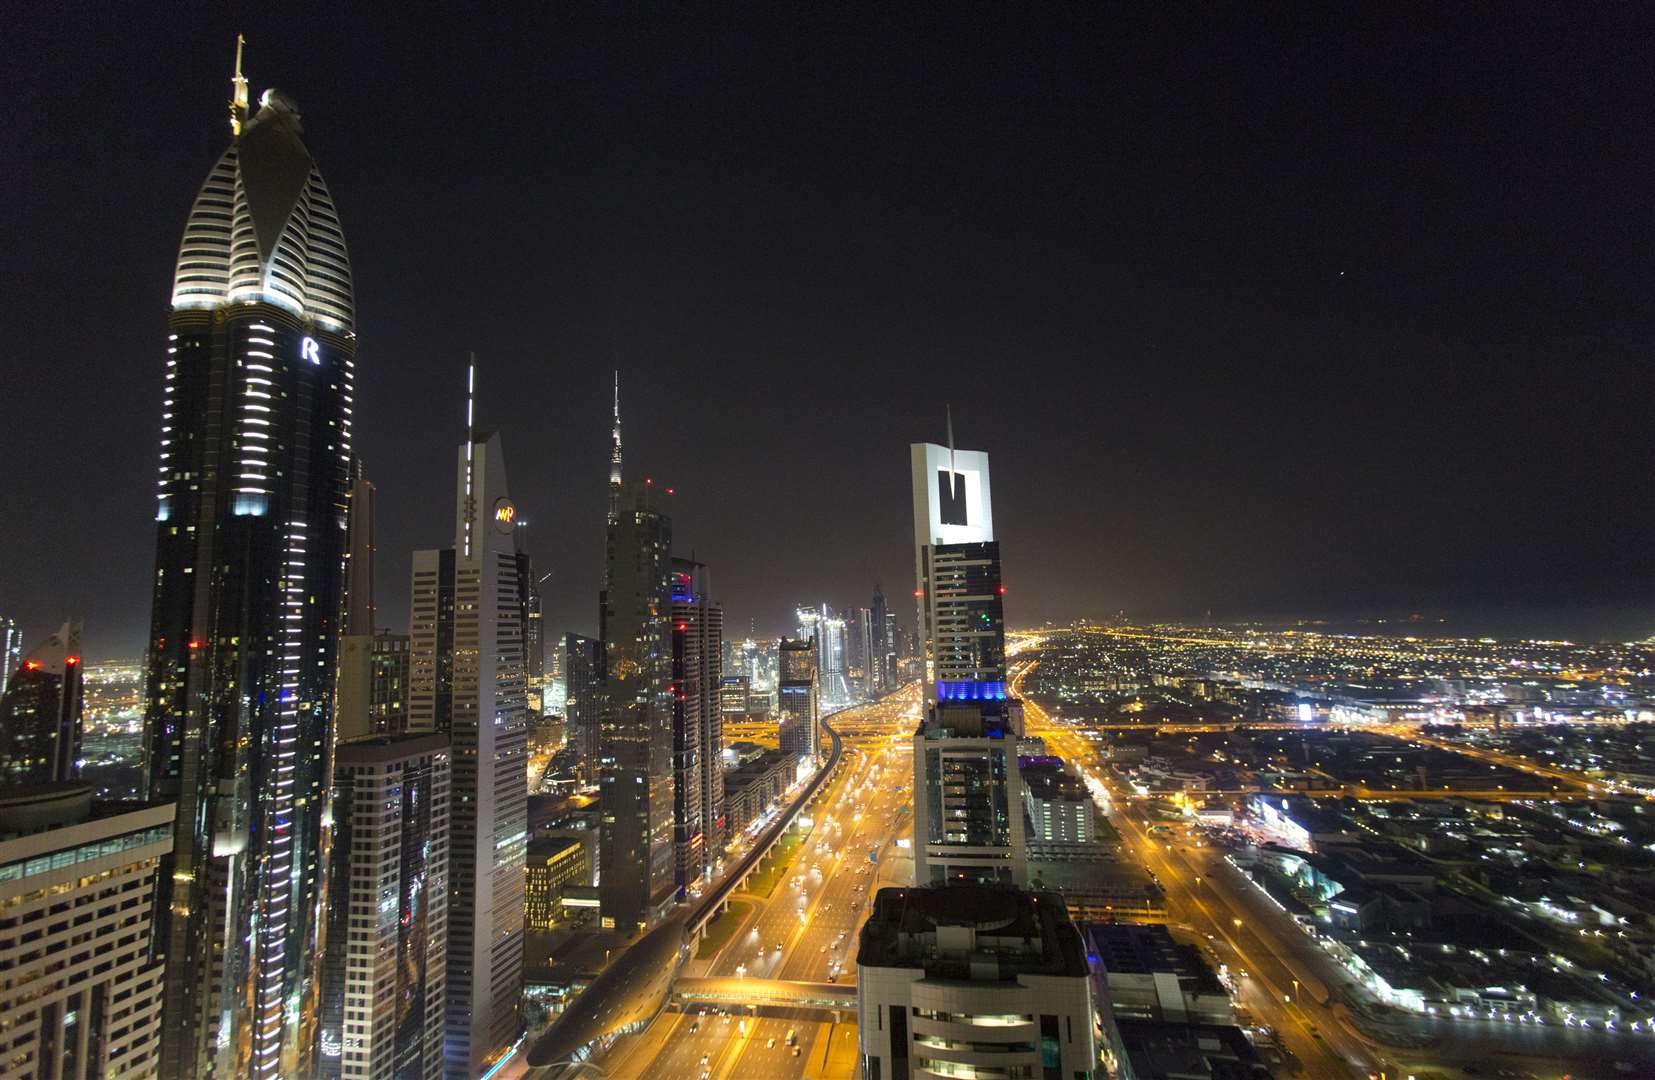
<point>1047,779</point>
<point>1163,1051</point>
<point>1148,948</point>
<point>972,932</point>
<point>379,749</point>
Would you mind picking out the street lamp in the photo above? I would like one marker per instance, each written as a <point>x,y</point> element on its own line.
<point>1237,922</point>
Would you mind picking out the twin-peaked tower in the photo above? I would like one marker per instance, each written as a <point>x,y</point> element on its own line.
<point>968,812</point>
<point>251,513</point>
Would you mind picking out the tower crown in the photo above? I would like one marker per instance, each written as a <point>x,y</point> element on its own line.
<point>263,226</point>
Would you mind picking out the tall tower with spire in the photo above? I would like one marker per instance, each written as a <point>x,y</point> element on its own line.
<point>615,455</point>
<point>252,506</point>
<point>968,816</point>
<point>468,681</point>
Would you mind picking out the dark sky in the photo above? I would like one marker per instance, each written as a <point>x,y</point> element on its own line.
<point>1255,313</point>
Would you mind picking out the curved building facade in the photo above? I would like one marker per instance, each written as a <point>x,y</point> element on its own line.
<point>251,515</point>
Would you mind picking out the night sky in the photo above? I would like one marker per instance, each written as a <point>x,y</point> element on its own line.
<point>1254,314</point>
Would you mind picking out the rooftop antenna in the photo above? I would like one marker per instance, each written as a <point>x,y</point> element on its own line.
<point>470,462</point>
<point>949,411</point>
<point>238,92</point>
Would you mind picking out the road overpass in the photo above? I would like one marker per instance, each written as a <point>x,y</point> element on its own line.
<point>775,992</point>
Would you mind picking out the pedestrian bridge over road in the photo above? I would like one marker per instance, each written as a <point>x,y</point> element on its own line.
<point>780,992</point>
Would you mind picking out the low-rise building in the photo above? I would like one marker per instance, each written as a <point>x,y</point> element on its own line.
<point>554,864</point>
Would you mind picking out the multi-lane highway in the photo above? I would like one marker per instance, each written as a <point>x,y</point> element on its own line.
<point>1239,935</point>
<point>803,931</point>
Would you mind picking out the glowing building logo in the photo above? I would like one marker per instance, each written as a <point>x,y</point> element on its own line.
<point>310,350</point>
<point>505,514</point>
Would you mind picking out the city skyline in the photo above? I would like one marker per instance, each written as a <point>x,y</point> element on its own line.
<point>1205,429</point>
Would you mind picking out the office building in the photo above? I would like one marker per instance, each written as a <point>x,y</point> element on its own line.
<point>636,789</point>
<point>583,703</point>
<point>42,713</point>
<point>82,994</point>
<point>252,506</point>
<point>467,682</point>
<point>797,703</point>
<point>11,649</point>
<point>386,959</point>
<point>968,812</point>
<point>554,864</point>
<point>697,723</point>
<point>973,980</point>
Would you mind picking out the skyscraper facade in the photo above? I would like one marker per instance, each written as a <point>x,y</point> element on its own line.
<point>42,712</point>
<point>11,649</point>
<point>467,682</point>
<point>636,789</point>
<point>798,706</point>
<point>583,702</point>
<point>251,516</point>
<point>383,973</point>
<point>697,722</point>
<point>968,813</point>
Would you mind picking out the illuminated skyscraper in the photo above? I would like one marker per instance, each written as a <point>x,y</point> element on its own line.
<point>798,705</point>
<point>41,713</point>
<point>251,515</point>
<point>635,846</point>
<point>697,722</point>
<point>468,682</point>
<point>968,813</point>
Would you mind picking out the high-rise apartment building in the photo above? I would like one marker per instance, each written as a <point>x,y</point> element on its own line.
<point>83,987</point>
<point>697,723</point>
<point>968,813</point>
<point>583,702</point>
<point>41,713</point>
<point>636,789</point>
<point>251,514</point>
<point>798,708</point>
<point>467,682</point>
<point>384,969</point>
